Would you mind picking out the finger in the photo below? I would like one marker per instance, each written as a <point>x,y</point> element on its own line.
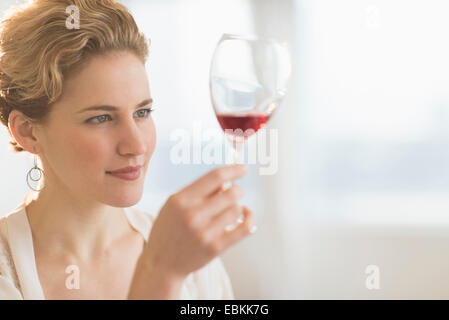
<point>220,201</point>
<point>225,186</point>
<point>209,183</point>
<point>242,230</point>
<point>248,217</point>
<point>225,219</point>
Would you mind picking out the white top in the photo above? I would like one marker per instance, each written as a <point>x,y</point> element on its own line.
<point>18,273</point>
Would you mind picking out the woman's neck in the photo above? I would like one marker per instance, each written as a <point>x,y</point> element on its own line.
<point>64,224</point>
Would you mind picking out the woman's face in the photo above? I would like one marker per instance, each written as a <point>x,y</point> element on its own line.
<point>78,147</point>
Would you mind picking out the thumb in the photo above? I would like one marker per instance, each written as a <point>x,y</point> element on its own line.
<point>248,219</point>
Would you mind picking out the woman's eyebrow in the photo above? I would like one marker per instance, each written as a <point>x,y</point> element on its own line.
<point>112,108</point>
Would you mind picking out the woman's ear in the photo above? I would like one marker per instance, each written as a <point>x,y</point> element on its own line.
<point>23,131</point>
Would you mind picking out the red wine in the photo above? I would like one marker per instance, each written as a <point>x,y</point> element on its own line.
<point>243,122</point>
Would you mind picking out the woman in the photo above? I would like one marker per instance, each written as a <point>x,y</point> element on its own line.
<point>79,100</point>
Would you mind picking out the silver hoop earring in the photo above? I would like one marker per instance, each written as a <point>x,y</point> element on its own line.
<point>29,175</point>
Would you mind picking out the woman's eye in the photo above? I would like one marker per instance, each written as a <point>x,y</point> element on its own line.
<point>99,118</point>
<point>146,113</point>
<point>142,113</point>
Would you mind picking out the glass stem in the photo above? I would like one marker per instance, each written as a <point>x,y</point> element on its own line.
<point>237,144</point>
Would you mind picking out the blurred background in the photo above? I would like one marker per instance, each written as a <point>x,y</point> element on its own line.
<point>363,147</point>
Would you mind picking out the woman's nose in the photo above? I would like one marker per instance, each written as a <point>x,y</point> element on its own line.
<point>132,139</point>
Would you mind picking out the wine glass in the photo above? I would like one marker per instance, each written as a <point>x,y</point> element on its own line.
<point>248,79</point>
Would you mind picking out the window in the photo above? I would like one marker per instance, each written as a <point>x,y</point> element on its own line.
<point>374,100</point>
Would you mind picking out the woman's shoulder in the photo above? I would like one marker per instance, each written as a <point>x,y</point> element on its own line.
<point>11,217</point>
<point>5,251</point>
<point>4,245</point>
<point>9,282</point>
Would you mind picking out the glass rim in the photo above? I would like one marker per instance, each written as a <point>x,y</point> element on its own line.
<point>252,37</point>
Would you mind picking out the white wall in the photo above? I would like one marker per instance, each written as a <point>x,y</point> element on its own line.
<point>368,76</point>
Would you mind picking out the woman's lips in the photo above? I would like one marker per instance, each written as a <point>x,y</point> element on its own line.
<point>131,175</point>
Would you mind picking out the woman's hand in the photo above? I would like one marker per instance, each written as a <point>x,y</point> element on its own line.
<point>190,229</point>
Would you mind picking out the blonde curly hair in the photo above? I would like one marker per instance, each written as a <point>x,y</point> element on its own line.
<point>37,50</point>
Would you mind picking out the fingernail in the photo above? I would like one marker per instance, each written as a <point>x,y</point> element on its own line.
<point>253,229</point>
<point>225,186</point>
